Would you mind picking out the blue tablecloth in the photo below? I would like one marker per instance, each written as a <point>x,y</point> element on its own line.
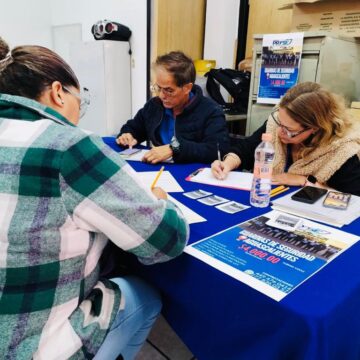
<point>221,318</point>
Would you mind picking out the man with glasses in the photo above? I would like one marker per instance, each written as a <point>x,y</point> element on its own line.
<point>179,122</point>
<point>315,142</point>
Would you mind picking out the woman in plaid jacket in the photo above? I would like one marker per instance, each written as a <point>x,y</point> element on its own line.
<point>63,193</point>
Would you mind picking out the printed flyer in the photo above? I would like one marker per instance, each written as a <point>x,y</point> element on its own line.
<point>280,64</point>
<point>272,253</point>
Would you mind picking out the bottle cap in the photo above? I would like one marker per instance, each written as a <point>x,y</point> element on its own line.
<point>266,137</point>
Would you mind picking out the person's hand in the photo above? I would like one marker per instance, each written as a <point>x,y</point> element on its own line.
<point>288,179</point>
<point>159,193</point>
<point>220,169</point>
<point>126,139</point>
<point>158,154</point>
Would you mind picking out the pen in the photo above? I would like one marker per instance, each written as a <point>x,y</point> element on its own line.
<point>278,188</point>
<point>218,152</point>
<point>196,172</point>
<point>157,177</point>
<point>279,192</point>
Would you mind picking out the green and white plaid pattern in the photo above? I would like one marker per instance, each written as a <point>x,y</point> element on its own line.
<point>63,193</point>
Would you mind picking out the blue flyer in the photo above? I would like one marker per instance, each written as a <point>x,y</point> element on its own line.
<point>273,253</point>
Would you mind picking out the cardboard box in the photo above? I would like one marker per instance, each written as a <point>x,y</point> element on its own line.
<point>329,16</point>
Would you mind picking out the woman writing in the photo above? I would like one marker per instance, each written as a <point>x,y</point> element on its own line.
<point>314,139</point>
<point>63,193</point>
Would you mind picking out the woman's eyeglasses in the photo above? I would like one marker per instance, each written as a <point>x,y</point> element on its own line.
<point>83,96</point>
<point>290,134</point>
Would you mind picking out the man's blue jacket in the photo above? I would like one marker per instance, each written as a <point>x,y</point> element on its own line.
<point>200,128</point>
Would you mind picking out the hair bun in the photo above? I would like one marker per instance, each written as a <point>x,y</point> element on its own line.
<point>4,49</point>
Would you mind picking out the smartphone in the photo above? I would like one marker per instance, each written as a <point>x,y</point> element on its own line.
<point>337,200</point>
<point>309,194</point>
<point>128,152</point>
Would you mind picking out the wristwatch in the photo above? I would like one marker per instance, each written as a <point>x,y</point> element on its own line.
<point>175,145</point>
<point>311,179</point>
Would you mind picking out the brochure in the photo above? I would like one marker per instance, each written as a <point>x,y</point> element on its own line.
<point>273,253</point>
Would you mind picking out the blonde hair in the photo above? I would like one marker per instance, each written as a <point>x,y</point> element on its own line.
<point>28,70</point>
<point>312,106</point>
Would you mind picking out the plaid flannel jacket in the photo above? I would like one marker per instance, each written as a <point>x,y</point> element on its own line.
<point>63,193</point>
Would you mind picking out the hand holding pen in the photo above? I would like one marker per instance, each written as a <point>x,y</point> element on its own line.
<point>157,191</point>
<point>220,169</point>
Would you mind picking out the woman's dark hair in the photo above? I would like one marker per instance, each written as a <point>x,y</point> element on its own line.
<point>179,65</point>
<point>28,70</point>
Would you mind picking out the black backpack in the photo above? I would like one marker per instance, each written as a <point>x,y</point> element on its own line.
<point>237,83</point>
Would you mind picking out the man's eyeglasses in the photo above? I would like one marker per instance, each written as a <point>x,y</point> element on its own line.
<point>83,96</point>
<point>290,134</point>
<point>166,91</point>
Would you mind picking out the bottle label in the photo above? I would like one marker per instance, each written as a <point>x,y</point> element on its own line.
<point>262,171</point>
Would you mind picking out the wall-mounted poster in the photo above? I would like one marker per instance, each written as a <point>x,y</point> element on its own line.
<point>280,63</point>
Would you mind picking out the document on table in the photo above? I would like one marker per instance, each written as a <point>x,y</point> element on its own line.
<point>234,180</point>
<point>317,212</point>
<point>140,154</point>
<point>272,253</point>
<point>190,215</point>
<point>166,181</point>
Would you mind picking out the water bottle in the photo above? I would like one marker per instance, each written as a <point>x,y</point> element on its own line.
<point>261,184</point>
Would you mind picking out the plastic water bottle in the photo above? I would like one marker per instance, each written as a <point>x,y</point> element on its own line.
<point>261,184</point>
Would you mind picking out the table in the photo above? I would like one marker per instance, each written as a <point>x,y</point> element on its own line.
<point>220,318</point>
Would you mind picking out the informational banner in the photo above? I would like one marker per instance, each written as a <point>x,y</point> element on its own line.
<point>273,253</point>
<point>280,63</point>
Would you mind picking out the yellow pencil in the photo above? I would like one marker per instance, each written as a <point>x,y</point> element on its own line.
<point>157,177</point>
<point>279,192</point>
<point>278,188</point>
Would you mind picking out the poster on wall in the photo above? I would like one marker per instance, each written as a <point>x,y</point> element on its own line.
<point>273,253</point>
<point>280,64</point>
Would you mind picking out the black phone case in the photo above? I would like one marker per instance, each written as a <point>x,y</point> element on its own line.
<point>306,199</point>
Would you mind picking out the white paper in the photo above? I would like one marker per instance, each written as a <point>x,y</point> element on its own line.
<point>190,215</point>
<point>232,207</point>
<point>197,194</point>
<point>213,200</point>
<point>235,179</point>
<point>166,181</point>
<point>139,156</point>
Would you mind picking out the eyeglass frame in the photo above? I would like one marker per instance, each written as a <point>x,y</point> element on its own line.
<point>288,133</point>
<point>157,89</point>
<point>83,96</point>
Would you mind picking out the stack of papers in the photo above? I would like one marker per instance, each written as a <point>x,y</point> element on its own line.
<point>318,212</point>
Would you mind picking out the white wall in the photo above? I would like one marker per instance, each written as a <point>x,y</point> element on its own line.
<point>30,22</point>
<point>127,12</point>
<point>25,22</point>
<point>221,31</point>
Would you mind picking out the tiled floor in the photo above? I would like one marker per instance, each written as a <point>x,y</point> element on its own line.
<point>164,344</point>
